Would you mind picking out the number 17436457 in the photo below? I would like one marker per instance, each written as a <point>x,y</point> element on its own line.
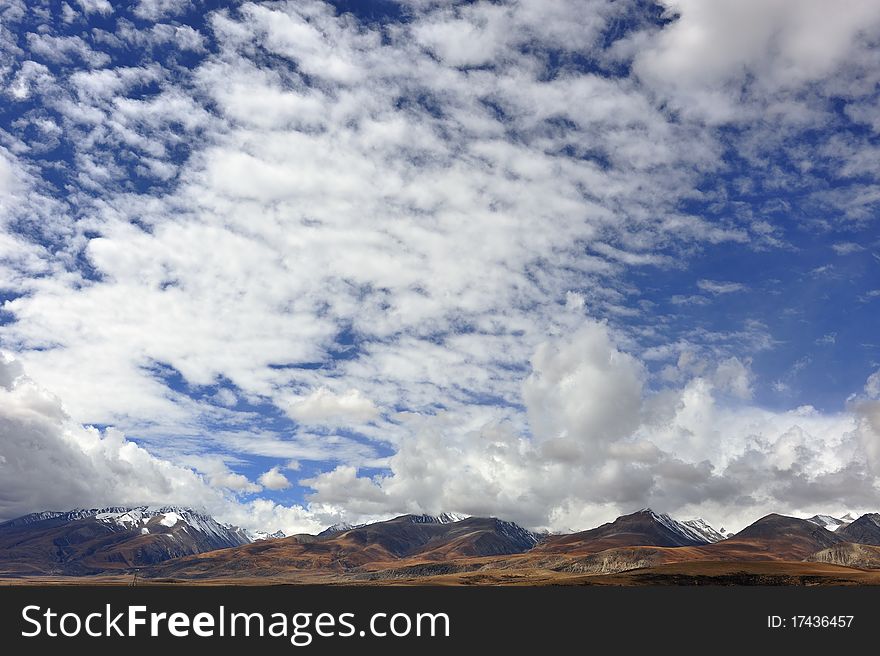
<point>810,621</point>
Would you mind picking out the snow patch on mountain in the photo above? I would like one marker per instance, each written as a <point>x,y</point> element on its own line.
<point>831,523</point>
<point>693,529</point>
<point>442,518</point>
<point>518,534</point>
<point>703,529</point>
<point>170,519</point>
<point>256,536</point>
<point>118,518</point>
<point>340,527</point>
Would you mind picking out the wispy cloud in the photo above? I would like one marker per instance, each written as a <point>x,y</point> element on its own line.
<point>828,339</point>
<point>847,248</point>
<point>720,287</point>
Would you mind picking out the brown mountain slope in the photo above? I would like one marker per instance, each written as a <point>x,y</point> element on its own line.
<point>419,534</point>
<point>642,528</point>
<point>406,547</point>
<point>864,530</point>
<point>775,537</point>
<point>375,546</point>
<point>417,547</point>
<point>90,541</point>
<point>772,538</point>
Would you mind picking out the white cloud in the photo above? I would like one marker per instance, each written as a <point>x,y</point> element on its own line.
<point>685,450</point>
<point>323,407</point>
<point>234,482</point>
<point>183,37</point>
<point>68,13</point>
<point>308,208</point>
<point>49,462</point>
<point>96,6</point>
<point>693,299</point>
<point>154,10</point>
<point>219,475</point>
<point>632,259</point>
<point>30,75</point>
<point>781,387</point>
<point>828,339</point>
<point>735,377</point>
<point>483,32</point>
<point>343,486</point>
<point>720,287</point>
<point>711,51</point>
<point>8,181</point>
<point>476,462</point>
<point>460,42</point>
<point>608,387</point>
<point>847,248</point>
<point>291,35</point>
<point>65,50</point>
<point>872,386</point>
<point>226,397</point>
<point>274,480</point>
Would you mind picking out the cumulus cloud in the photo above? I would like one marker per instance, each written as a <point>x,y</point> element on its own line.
<point>220,476</point>
<point>872,386</point>
<point>235,482</point>
<point>49,462</point>
<point>734,376</point>
<point>710,50</point>
<point>603,444</point>
<point>274,479</point>
<point>324,407</point>
<point>603,391</point>
<point>681,449</point>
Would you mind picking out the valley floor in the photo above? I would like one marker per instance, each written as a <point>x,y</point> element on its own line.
<point>764,573</point>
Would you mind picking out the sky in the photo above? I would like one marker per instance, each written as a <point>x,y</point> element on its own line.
<point>297,263</point>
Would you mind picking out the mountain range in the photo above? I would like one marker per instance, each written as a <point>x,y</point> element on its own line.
<point>179,544</point>
<point>82,542</point>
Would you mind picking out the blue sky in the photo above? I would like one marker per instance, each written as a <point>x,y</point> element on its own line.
<point>315,261</point>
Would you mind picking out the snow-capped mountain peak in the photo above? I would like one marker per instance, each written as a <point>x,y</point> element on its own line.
<point>829,522</point>
<point>703,529</point>
<point>120,518</point>
<point>141,535</point>
<point>518,533</point>
<point>442,518</point>
<point>693,529</point>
